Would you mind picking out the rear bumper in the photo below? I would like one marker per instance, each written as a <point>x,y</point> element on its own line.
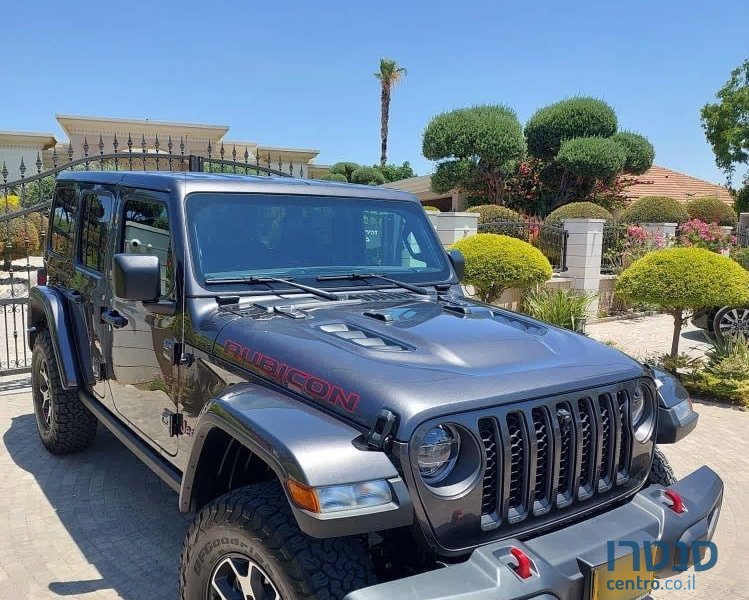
<point>564,558</point>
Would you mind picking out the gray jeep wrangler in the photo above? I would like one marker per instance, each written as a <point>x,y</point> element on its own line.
<point>297,360</point>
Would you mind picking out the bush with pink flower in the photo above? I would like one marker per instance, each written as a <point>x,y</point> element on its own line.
<point>706,235</point>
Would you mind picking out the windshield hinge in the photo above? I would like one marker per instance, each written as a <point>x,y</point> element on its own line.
<point>381,434</point>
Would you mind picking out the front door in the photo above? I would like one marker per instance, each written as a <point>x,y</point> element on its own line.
<point>144,381</point>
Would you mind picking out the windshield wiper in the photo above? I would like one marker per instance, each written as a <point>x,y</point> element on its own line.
<point>381,276</point>
<point>267,280</point>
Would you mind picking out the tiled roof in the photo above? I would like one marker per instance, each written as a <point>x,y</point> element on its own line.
<point>660,181</point>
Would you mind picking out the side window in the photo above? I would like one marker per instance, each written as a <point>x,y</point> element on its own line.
<point>146,231</point>
<point>96,216</point>
<point>62,226</point>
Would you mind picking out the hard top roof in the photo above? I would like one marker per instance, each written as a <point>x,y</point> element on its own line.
<point>230,182</point>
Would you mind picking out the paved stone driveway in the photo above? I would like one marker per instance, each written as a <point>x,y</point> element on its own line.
<point>100,525</point>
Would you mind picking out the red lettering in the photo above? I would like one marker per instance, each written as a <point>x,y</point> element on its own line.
<point>317,387</point>
<point>346,401</point>
<point>314,387</point>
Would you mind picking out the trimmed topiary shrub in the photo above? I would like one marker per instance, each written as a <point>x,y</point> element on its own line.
<point>578,210</point>
<point>655,209</point>
<point>594,157</point>
<point>684,279</point>
<point>344,168</point>
<point>495,263</point>
<point>489,213</point>
<point>340,177</point>
<point>572,118</point>
<point>711,210</point>
<point>478,149</point>
<point>639,151</point>
<point>367,176</point>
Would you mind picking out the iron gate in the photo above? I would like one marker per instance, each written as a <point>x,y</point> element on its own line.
<point>24,214</point>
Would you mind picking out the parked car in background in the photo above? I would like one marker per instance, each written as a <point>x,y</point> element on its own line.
<point>723,321</point>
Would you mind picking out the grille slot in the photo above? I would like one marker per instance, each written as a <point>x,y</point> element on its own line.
<point>566,453</point>
<point>490,499</point>
<point>518,441</point>
<point>552,455</point>
<point>587,442</point>
<point>543,457</point>
<point>625,446</point>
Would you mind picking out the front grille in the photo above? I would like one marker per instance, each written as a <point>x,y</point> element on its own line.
<point>552,455</point>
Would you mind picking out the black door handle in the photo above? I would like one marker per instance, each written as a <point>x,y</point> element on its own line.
<point>114,318</point>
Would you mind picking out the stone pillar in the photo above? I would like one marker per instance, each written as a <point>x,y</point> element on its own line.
<point>584,250</point>
<point>458,201</point>
<point>744,221</point>
<point>453,226</point>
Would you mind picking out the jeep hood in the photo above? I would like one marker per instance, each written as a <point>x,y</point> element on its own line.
<point>420,358</point>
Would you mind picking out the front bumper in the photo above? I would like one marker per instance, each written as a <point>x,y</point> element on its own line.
<point>563,559</point>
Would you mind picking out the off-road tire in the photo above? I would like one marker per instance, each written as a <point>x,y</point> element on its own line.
<point>662,473</point>
<point>66,425</point>
<point>256,522</point>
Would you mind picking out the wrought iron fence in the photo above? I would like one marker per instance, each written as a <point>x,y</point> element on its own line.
<point>742,237</point>
<point>612,251</point>
<point>25,202</point>
<point>551,240</point>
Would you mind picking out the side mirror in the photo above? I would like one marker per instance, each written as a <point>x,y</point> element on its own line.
<point>136,277</point>
<point>458,262</point>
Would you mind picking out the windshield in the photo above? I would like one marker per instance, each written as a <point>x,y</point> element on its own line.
<point>246,235</point>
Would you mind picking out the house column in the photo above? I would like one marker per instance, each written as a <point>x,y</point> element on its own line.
<point>584,250</point>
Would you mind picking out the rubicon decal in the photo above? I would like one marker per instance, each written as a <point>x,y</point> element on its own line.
<point>305,383</point>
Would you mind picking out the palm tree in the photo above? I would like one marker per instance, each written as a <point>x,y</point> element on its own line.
<point>389,75</point>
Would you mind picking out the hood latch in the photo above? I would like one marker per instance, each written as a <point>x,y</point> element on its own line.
<point>381,434</point>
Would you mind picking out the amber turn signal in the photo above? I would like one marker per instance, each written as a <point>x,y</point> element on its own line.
<point>303,496</point>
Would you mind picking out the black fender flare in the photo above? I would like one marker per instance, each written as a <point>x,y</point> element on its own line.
<point>302,443</point>
<point>47,308</point>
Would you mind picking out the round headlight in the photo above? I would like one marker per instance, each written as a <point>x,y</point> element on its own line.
<point>642,412</point>
<point>637,406</point>
<point>438,453</point>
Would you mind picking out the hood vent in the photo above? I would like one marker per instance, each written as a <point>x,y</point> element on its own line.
<point>381,296</point>
<point>361,337</point>
<point>518,323</point>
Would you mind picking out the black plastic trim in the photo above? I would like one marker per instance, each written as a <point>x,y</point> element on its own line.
<point>159,465</point>
<point>671,429</point>
<point>47,305</point>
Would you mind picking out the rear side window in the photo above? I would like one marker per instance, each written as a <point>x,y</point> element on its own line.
<point>62,227</point>
<point>96,216</point>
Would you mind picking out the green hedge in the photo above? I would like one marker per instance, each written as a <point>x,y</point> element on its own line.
<point>655,209</point>
<point>489,213</point>
<point>578,210</point>
<point>711,210</point>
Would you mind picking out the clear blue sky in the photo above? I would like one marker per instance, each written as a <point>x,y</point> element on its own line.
<point>300,73</point>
